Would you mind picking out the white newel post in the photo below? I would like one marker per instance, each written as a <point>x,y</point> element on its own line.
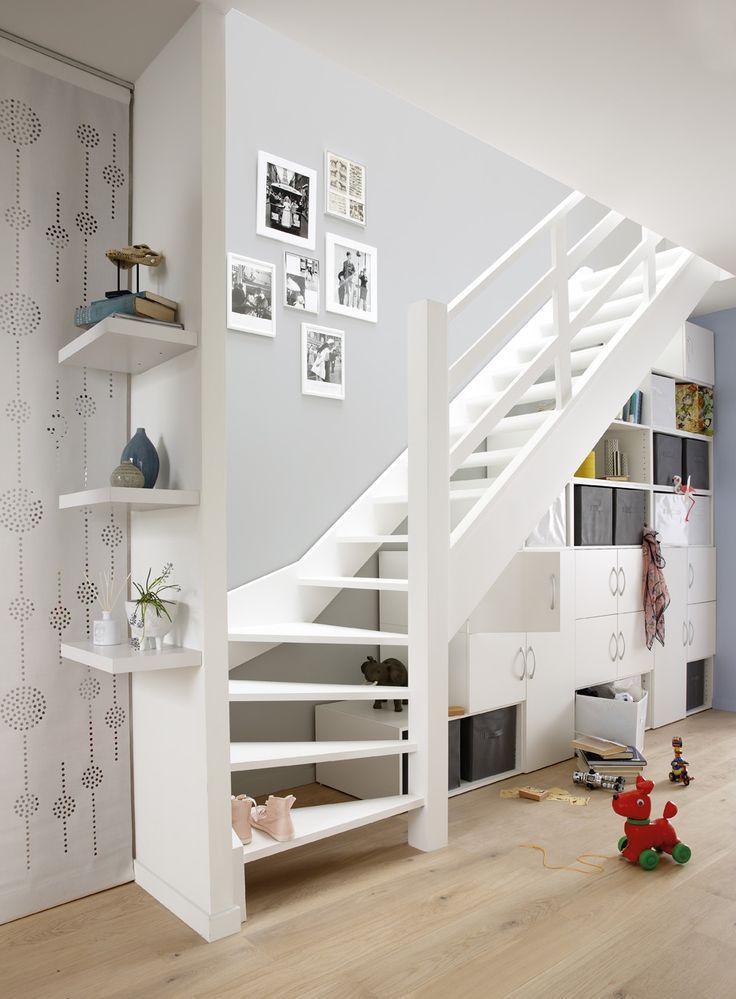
<point>429,543</point>
<point>561,313</point>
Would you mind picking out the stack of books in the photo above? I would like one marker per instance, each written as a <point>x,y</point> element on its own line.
<point>137,305</point>
<point>631,413</point>
<point>613,759</point>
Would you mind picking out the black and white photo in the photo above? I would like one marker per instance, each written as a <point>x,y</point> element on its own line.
<point>351,278</point>
<point>285,205</point>
<point>250,295</point>
<point>344,188</point>
<point>323,361</point>
<point>301,282</point>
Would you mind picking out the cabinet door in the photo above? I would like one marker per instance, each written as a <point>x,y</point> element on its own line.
<point>699,360</point>
<point>550,704</point>
<point>629,580</point>
<point>701,631</point>
<point>596,650</point>
<point>672,360</point>
<point>596,583</point>
<point>701,575</point>
<point>497,670</point>
<point>667,690</point>
<point>633,655</point>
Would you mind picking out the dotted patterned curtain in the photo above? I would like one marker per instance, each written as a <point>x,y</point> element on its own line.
<point>65,823</point>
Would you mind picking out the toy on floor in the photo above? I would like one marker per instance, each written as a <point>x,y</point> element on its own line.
<point>678,773</point>
<point>593,779</point>
<point>644,840</point>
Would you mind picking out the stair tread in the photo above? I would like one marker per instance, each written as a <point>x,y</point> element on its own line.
<point>261,755</point>
<point>482,459</point>
<point>356,582</point>
<point>313,633</point>
<point>273,690</point>
<point>317,822</point>
<point>374,539</point>
<point>474,492</point>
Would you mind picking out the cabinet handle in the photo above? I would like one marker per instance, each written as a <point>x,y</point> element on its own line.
<point>523,659</point>
<point>691,575</point>
<point>531,652</point>
<point>691,630</point>
<point>614,653</point>
<point>684,632</point>
<point>553,600</point>
<point>621,586</point>
<point>613,581</point>
<point>623,642</point>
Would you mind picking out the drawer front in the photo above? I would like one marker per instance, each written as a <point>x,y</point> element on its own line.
<point>496,670</point>
<point>596,650</point>
<point>596,583</point>
<point>701,575</point>
<point>701,631</point>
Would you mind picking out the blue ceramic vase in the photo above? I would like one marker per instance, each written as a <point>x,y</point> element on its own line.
<point>143,454</point>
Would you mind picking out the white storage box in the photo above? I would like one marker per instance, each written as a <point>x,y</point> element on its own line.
<point>550,531</point>
<point>669,519</point>
<point>619,721</point>
<point>663,402</point>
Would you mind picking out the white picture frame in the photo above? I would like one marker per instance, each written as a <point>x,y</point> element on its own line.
<point>356,295</point>
<point>322,362</point>
<point>286,201</point>
<point>302,280</point>
<point>251,291</point>
<point>345,196</point>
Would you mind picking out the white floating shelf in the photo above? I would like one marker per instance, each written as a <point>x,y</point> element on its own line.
<point>267,690</point>
<point>134,499</point>
<point>319,821</point>
<point>127,345</point>
<point>356,583</point>
<point>261,755</point>
<point>305,633</point>
<point>123,659</point>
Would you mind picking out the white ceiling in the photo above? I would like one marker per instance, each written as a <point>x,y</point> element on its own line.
<point>630,101</point>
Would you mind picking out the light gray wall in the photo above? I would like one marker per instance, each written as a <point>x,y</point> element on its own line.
<point>723,325</point>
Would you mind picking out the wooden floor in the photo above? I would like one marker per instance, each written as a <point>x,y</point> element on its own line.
<point>364,915</point>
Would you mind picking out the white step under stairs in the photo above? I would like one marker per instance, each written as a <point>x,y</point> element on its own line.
<point>523,404</point>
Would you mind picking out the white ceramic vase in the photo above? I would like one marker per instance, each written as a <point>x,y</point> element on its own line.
<point>106,630</point>
<point>147,632</point>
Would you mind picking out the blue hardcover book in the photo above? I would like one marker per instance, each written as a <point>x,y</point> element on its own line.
<point>95,312</point>
<point>625,412</point>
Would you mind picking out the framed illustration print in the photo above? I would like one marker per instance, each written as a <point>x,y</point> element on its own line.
<point>351,278</point>
<point>250,290</point>
<point>323,361</point>
<point>301,282</point>
<point>285,207</point>
<point>344,188</point>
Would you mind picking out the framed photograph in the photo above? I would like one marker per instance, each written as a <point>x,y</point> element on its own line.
<point>344,188</point>
<point>301,282</point>
<point>351,278</point>
<point>250,288</point>
<point>323,361</point>
<point>285,206</point>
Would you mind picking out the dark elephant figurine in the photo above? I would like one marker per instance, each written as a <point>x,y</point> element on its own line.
<point>389,673</point>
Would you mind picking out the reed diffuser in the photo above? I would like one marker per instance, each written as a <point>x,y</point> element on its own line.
<point>106,631</point>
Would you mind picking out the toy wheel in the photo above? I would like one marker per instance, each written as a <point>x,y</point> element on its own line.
<point>686,780</point>
<point>648,859</point>
<point>681,853</point>
<point>657,849</point>
<point>671,777</point>
<point>623,843</point>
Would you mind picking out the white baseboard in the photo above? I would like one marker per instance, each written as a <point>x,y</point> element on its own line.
<point>211,926</point>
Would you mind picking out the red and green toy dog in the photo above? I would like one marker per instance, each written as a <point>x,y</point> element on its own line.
<point>643,839</point>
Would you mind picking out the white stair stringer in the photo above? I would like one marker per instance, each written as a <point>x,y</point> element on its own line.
<point>489,537</point>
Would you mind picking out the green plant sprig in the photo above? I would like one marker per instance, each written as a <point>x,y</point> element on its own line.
<point>150,594</point>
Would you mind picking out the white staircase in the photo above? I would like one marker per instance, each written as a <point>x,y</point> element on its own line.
<point>522,406</point>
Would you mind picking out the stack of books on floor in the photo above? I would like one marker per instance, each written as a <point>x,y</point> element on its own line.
<point>133,305</point>
<point>610,758</point>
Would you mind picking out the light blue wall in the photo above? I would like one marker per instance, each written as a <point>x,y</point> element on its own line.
<point>723,325</point>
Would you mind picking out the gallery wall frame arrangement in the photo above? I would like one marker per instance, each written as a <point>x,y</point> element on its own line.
<point>285,202</point>
<point>251,286</point>
<point>301,282</point>
<point>351,278</point>
<point>323,361</point>
<point>344,188</point>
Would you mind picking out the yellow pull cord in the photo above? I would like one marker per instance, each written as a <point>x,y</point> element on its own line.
<point>597,868</point>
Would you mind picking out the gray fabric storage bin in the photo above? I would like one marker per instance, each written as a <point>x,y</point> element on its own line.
<point>453,733</point>
<point>629,516</point>
<point>593,515</point>
<point>667,458</point>
<point>695,689</point>
<point>695,463</point>
<point>488,744</point>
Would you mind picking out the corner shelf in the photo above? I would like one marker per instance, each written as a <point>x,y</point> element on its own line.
<point>122,659</point>
<point>126,345</point>
<point>134,499</point>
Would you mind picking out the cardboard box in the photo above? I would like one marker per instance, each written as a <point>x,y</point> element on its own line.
<point>619,721</point>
